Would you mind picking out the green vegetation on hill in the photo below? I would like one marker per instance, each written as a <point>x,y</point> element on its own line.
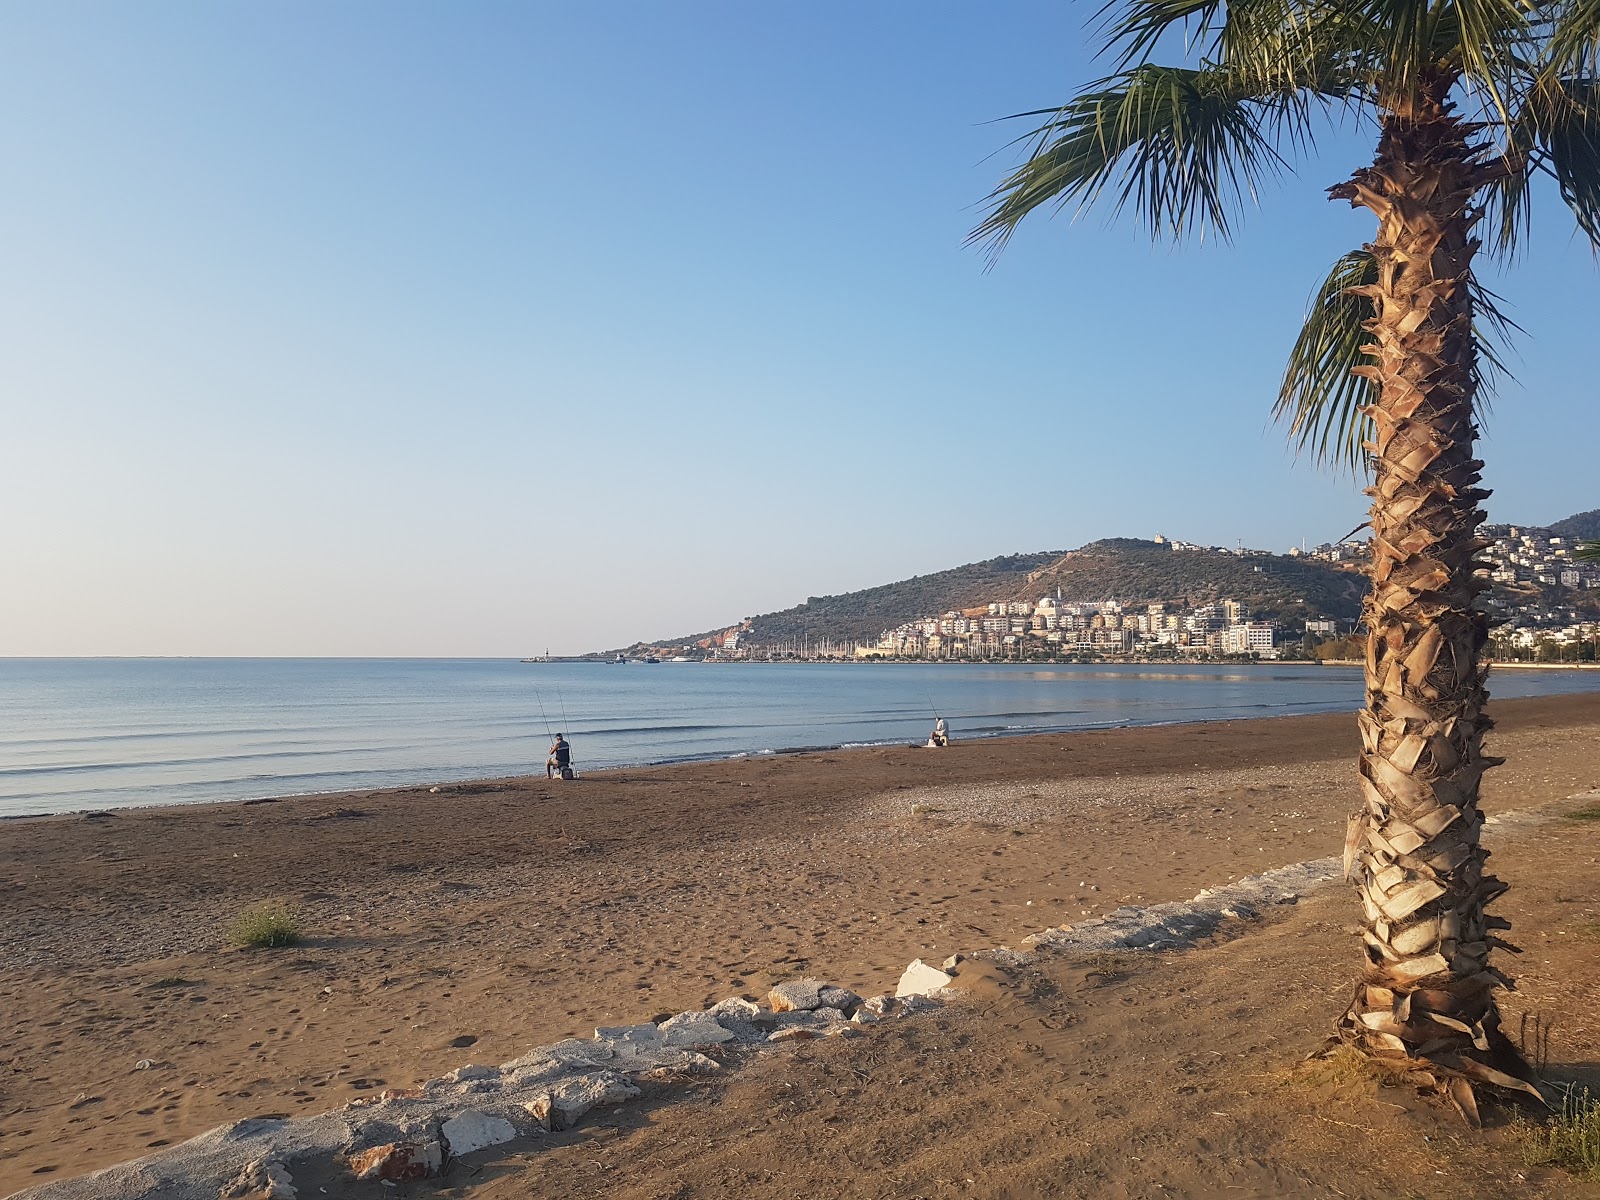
<point>1585,526</point>
<point>1134,571</point>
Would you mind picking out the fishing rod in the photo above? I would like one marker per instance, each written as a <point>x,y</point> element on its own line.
<point>542,713</point>
<point>562,701</point>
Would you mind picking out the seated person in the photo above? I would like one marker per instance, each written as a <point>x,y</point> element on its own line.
<point>560,757</point>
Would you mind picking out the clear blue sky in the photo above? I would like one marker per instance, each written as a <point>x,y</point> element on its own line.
<point>476,329</point>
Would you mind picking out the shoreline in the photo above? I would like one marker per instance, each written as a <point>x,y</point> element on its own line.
<point>460,773</point>
<point>469,924</point>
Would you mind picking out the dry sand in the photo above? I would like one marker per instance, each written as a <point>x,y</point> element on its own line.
<point>471,924</point>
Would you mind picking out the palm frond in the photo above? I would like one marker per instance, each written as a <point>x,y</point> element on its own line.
<point>1321,397</point>
<point>1489,40</point>
<point>1567,117</point>
<point>1396,39</point>
<point>1323,402</point>
<point>1133,28</point>
<point>1575,41</point>
<point>1185,147</point>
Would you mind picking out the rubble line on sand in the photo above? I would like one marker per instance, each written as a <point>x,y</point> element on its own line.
<point>413,1133</point>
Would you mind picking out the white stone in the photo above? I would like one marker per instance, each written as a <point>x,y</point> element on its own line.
<point>879,1005</point>
<point>473,1130</point>
<point>796,995</point>
<point>955,960</point>
<point>567,1101</point>
<point>629,1035</point>
<point>735,1008</point>
<point>837,997</point>
<point>920,979</point>
<point>865,1016</point>
<point>693,1029</point>
<point>473,1071</point>
<point>262,1179</point>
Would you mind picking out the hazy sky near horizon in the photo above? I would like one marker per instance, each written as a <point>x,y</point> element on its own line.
<point>417,329</point>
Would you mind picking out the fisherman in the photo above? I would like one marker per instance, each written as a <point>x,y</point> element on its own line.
<point>560,762</point>
<point>941,732</point>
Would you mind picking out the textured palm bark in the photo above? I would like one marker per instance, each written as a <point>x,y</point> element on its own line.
<point>1427,991</point>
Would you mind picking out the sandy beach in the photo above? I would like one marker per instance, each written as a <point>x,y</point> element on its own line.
<point>468,924</point>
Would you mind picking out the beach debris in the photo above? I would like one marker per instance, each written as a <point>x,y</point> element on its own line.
<point>920,979</point>
<point>1180,924</point>
<point>692,1029</point>
<point>473,1130</point>
<point>263,1179</point>
<point>839,998</point>
<point>794,1033</point>
<point>562,1105</point>
<point>879,1005</point>
<point>396,1162</point>
<point>734,1007</point>
<point>796,995</point>
<point>473,1071</point>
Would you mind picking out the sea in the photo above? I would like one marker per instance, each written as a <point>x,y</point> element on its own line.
<point>91,734</point>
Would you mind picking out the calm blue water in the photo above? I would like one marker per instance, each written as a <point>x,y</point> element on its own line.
<point>103,733</point>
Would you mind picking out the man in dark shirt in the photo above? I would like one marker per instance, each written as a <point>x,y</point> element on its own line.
<point>560,758</point>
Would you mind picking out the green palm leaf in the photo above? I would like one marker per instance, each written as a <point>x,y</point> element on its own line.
<point>1556,132</point>
<point>1321,397</point>
<point>1183,146</point>
<point>1575,40</point>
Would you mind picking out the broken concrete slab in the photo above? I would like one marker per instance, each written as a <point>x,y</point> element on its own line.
<point>796,995</point>
<point>473,1130</point>
<point>920,979</point>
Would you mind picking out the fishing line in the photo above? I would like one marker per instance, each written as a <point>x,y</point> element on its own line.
<point>562,701</point>
<point>542,713</point>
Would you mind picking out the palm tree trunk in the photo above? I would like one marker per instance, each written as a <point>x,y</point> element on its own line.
<point>1427,990</point>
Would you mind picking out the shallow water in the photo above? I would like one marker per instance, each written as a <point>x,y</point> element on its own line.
<point>105,733</point>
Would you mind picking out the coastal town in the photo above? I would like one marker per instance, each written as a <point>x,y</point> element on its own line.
<point>1545,605</point>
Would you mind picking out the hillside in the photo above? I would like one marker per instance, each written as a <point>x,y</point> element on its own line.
<point>1118,568</point>
<point>1135,571</point>
<point>866,614</point>
<point>1584,525</point>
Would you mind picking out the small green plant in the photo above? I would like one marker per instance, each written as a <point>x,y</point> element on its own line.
<point>1589,813</point>
<point>924,810</point>
<point>170,981</point>
<point>1570,1139</point>
<point>267,926</point>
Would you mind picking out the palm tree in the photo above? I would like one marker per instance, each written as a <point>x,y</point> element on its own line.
<point>1470,101</point>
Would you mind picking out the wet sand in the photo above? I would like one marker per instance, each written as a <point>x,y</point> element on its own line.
<point>469,924</point>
